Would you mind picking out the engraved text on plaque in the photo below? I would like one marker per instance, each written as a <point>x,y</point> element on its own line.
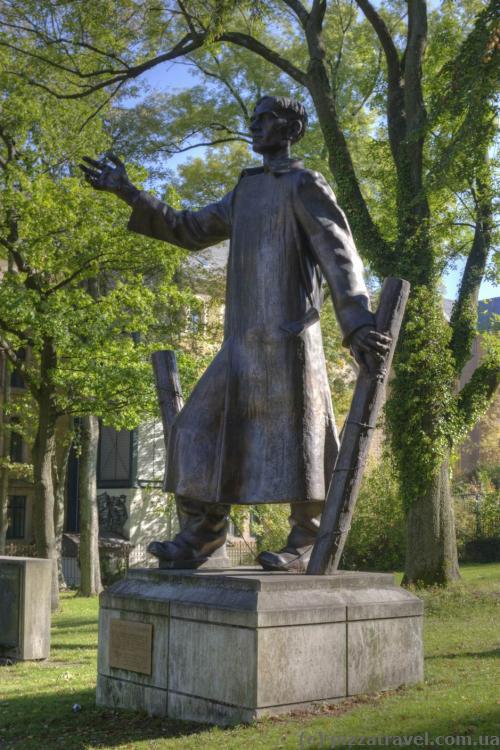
<point>130,645</point>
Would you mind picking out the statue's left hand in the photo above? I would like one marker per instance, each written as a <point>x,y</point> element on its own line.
<point>369,348</point>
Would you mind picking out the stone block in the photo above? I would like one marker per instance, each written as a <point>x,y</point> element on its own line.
<point>118,693</point>
<point>383,654</point>
<point>213,661</point>
<point>231,646</point>
<point>25,588</point>
<point>287,678</point>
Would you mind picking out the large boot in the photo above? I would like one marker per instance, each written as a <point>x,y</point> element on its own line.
<point>294,557</point>
<point>201,538</point>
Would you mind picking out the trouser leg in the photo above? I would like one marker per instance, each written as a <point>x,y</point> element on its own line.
<point>304,520</point>
<point>203,525</point>
<point>203,531</point>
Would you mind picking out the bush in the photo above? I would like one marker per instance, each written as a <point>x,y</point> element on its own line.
<point>269,524</point>
<point>376,540</point>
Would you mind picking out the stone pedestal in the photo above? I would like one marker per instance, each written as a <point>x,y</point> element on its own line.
<point>25,607</point>
<point>231,646</point>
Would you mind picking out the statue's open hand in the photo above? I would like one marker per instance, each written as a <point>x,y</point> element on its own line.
<point>102,176</point>
<point>370,348</point>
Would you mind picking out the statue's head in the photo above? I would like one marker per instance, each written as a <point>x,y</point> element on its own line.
<point>277,121</point>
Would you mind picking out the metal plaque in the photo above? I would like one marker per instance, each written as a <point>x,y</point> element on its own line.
<point>131,645</point>
<point>10,593</point>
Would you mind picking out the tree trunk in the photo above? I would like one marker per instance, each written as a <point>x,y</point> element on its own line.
<point>5,455</point>
<point>90,571</point>
<point>431,548</point>
<point>43,515</point>
<point>59,474</point>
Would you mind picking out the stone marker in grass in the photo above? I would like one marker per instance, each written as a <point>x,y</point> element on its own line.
<point>25,607</point>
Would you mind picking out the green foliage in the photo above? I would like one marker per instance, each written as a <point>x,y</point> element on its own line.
<point>99,362</point>
<point>463,94</point>
<point>78,282</point>
<point>17,471</point>
<point>341,369</point>
<point>422,411</point>
<point>269,524</point>
<point>475,397</point>
<point>204,180</point>
<point>376,540</point>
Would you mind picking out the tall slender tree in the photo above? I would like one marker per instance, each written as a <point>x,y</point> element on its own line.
<point>55,236</point>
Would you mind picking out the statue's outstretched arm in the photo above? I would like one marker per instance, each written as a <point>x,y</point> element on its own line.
<point>193,230</point>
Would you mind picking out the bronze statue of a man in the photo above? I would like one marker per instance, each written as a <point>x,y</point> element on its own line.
<point>259,425</point>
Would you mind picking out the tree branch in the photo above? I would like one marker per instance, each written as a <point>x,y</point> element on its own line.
<point>317,14</point>
<point>385,38</point>
<point>203,144</point>
<point>299,10</point>
<point>220,77</point>
<point>32,280</point>
<point>250,43</point>
<point>190,20</point>
<point>186,45</point>
<point>464,314</point>
<point>15,332</point>
<point>64,282</point>
<point>59,66</point>
<point>9,145</point>
<point>101,106</point>
<point>19,365</point>
<point>475,397</point>
<point>49,41</point>
<point>414,53</point>
<point>395,93</point>
<point>371,89</point>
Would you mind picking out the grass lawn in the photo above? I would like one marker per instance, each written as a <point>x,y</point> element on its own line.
<point>460,696</point>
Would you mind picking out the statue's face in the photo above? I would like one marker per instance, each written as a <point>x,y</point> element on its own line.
<point>269,131</point>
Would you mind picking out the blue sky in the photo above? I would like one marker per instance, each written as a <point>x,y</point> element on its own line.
<point>178,76</point>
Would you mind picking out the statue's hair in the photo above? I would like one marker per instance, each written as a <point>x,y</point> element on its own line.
<point>290,109</point>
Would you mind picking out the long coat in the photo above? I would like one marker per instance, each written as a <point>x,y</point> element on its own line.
<point>259,425</point>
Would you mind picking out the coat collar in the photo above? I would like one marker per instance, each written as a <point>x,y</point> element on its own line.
<point>276,168</point>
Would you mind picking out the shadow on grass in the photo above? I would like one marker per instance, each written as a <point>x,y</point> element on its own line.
<point>58,646</point>
<point>70,623</point>
<point>47,720</point>
<point>477,728</point>
<point>493,653</point>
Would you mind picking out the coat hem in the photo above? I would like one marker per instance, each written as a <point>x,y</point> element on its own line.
<point>247,501</point>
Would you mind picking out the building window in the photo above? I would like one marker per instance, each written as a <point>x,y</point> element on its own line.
<point>115,458</point>
<point>16,444</point>
<point>16,379</point>
<point>152,455</point>
<point>16,514</point>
